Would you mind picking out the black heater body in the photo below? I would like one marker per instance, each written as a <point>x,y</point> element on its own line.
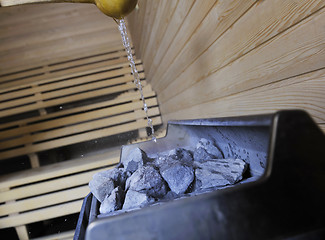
<point>283,196</point>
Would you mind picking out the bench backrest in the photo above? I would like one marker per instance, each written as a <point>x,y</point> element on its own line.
<point>71,82</point>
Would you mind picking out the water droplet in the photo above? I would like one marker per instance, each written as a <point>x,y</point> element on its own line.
<point>137,82</point>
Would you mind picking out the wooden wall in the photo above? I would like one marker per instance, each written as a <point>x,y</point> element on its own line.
<point>40,34</point>
<point>213,58</point>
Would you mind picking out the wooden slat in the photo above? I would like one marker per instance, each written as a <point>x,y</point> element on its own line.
<point>175,23</point>
<point>44,200</point>
<point>80,138</point>
<point>37,34</point>
<point>77,123</point>
<point>49,49</point>
<point>74,54</point>
<point>126,97</point>
<point>186,30</point>
<point>268,63</point>
<point>220,18</point>
<point>158,30</point>
<point>48,186</point>
<point>80,96</point>
<point>110,157</point>
<point>42,214</point>
<point>258,25</point>
<point>109,64</point>
<point>66,67</point>
<point>301,92</point>
<point>62,93</point>
<point>67,83</point>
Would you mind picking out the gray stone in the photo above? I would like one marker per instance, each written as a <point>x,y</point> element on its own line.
<point>182,155</point>
<point>134,160</point>
<point>101,186</point>
<point>178,176</point>
<point>147,179</point>
<point>134,199</point>
<point>206,149</point>
<point>175,155</point>
<point>219,172</point>
<point>112,202</point>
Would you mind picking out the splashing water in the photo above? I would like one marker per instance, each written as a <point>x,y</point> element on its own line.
<point>137,82</point>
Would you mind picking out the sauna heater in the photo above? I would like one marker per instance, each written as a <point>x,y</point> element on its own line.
<point>281,197</point>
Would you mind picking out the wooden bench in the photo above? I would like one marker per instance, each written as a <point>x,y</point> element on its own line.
<point>57,105</point>
<point>48,192</point>
<point>72,82</point>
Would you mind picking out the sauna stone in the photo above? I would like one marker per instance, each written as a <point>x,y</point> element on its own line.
<point>135,159</point>
<point>112,202</point>
<point>206,149</point>
<point>147,179</point>
<point>219,172</point>
<point>101,185</point>
<point>139,181</point>
<point>178,176</point>
<point>134,199</point>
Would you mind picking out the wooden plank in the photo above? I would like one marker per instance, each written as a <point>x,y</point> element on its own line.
<point>68,73</point>
<point>220,18</point>
<point>66,99</point>
<point>79,123</point>
<point>190,24</point>
<point>129,96</point>
<point>15,15</point>
<point>42,214</point>
<point>37,34</point>
<point>22,232</point>
<point>158,31</point>
<point>267,63</point>
<point>65,66</point>
<point>258,25</point>
<point>59,236</point>
<point>48,186</point>
<point>110,157</point>
<point>73,54</point>
<point>301,92</point>
<point>44,200</point>
<point>152,17</point>
<point>78,118</point>
<point>90,85</point>
<point>50,49</point>
<point>109,131</point>
<point>67,83</point>
<point>180,13</point>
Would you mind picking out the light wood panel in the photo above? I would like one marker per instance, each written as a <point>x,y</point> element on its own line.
<point>238,47</point>
<point>268,63</point>
<point>185,50</point>
<point>302,92</point>
<point>34,34</point>
<point>262,22</point>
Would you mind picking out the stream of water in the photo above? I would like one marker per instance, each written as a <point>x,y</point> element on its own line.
<point>137,82</point>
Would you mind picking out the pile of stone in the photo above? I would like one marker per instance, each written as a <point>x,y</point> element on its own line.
<point>140,180</point>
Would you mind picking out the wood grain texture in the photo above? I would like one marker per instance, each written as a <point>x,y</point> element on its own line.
<point>40,33</point>
<point>302,92</point>
<point>105,159</point>
<point>270,62</point>
<point>262,22</point>
<point>216,20</point>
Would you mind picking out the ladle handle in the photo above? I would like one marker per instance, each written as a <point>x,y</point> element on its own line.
<point>7,3</point>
